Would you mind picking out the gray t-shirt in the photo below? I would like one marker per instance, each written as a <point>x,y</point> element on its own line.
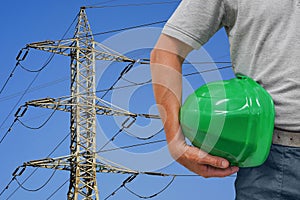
<point>264,38</point>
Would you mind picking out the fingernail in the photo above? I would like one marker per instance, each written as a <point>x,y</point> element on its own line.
<point>224,163</point>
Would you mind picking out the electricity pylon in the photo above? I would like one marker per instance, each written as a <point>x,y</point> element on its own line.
<point>83,106</point>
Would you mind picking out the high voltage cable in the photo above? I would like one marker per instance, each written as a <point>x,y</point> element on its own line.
<point>124,71</point>
<point>40,126</point>
<point>18,58</point>
<point>63,79</point>
<point>144,138</point>
<point>130,65</point>
<point>9,77</point>
<point>100,3</point>
<point>15,106</point>
<point>30,175</point>
<point>39,188</point>
<point>126,28</point>
<point>127,180</point>
<point>49,59</point>
<point>111,139</point>
<point>153,195</point>
<point>31,83</point>
<point>122,87</point>
<point>123,129</point>
<point>124,126</point>
<point>130,179</point>
<point>31,119</point>
<point>147,61</point>
<point>53,54</point>
<point>55,191</point>
<point>209,70</point>
<point>134,4</point>
<point>54,82</point>
<point>149,81</point>
<point>23,94</point>
<point>120,29</point>
<point>131,146</point>
<point>17,116</point>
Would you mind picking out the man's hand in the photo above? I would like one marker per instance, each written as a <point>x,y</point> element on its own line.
<point>201,162</point>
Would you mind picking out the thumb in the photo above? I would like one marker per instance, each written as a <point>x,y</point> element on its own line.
<point>213,160</point>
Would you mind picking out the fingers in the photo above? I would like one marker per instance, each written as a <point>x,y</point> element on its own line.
<point>205,158</point>
<point>207,171</point>
<point>205,165</point>
<point>214,161</point>
<point>210,166</point>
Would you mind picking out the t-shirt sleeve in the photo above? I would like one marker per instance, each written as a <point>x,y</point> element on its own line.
<point>194,22</point>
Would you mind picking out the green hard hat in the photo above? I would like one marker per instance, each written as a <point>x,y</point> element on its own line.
<point>233,119</point>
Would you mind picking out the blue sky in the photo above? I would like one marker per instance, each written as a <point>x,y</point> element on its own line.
<point>31,21</point>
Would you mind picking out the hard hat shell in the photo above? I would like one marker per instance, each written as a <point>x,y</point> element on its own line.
<point>233,119</point>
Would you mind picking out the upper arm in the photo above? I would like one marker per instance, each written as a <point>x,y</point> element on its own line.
<point>194,22</point>
<point>170,45</point>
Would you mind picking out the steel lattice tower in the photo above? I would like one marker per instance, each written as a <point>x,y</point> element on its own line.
<point>83,114</point>
<point>83,106</point>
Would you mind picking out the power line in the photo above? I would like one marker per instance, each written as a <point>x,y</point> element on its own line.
<point>25,91</point>
<point>146,61</point>
<point>122,87</point>
<point>127,180</point>
<point>39,188</point>
<point>20,58</point>
<point>126,124</point>
<point>7,186</point>
<point>131,146</point>
<point>149,81</point>
<point>130,65</point>
<point>31,174</point>
<point>15,67</point>
<point>9,77</point>
<point>43,124</point>
<point>31,83</point>
<point>153,195</point>
<point>49,59</point>
<point>134,5</point>
<point>8,131</point>
<point>127,28</point>
<point>130,179</point>
<point>144,138</point>
<point>111,139</point>
<point>55,191</point>
<point>124,71</point>
<point>30,119</point>
<point>15,106</point>
<point>100,3</point>
<point>209,70</point>
<point>51,83</point>
<point>204,63</point>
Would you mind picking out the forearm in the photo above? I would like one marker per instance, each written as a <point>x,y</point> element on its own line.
<point>167,87</point>
<point>166,68</point>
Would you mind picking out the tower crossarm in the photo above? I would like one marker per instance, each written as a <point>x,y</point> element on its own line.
<point>58,47</point>
<point>63,163</point>
<point>65,47</point>
<point>65,104</point>
<point>60,163</point>
<point>51,103</point>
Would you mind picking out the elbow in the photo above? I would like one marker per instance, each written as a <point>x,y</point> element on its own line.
<point>154,56</point>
